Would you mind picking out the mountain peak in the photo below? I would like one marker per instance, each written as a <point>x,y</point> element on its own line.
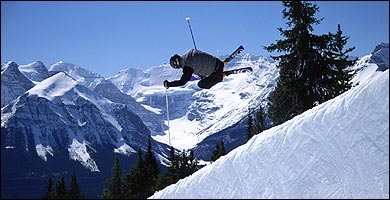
<point>380,56</point>
<point>9,64</point>
<point>13,83</point>
<point>35,71</point>
<point>62,66</point>
<point>83,76</point>
<point>382,45</point>
<point>54,86</point>
<point>37,63</point>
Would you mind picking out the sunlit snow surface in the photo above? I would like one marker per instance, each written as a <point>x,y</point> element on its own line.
<point>339,149</point>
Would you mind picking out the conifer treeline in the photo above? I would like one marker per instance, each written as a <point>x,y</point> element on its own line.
<point>256,125</point>
<point>218,151</point>
<point>145,178</point>
<point>61,192</point>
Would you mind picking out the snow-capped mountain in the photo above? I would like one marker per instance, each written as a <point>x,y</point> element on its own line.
<point>107,89</point>
<point>13,83</point>
<point>59,125</point>
<point>35,71</point>
<point>69,117</point>
<point>380,56</point>
<point>372,64</point>
<point>339,149</point>
<point>83,76</point>
<point>76,102</point>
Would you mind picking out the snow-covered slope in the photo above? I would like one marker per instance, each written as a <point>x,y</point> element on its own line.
<point>339,149</point>
<point>366,68</point>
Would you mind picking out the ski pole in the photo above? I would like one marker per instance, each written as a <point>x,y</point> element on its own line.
<point>166,101</point>
<point>192,35</point>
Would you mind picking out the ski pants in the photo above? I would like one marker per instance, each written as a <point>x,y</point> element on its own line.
<point>214,78</point>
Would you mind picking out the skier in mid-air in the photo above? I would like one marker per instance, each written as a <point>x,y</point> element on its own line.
<point>208,67</point>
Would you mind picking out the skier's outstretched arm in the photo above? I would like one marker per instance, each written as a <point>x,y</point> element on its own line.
<point>187,73</point>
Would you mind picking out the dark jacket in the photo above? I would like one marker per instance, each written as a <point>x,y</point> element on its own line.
<point>202,63</point>
<point>195,62</point>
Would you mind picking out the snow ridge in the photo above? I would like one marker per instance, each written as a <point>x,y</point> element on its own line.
<point>338,149</point>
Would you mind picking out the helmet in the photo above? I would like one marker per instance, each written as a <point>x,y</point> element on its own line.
<point>175,61</point>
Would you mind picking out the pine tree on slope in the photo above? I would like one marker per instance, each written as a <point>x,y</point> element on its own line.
<point>114,183</point>
<point>249,126</point>
<point>74,189</point>
<point>218,151</point>
<point>308,72</point>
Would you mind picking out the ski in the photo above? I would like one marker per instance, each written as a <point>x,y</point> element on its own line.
<point>227,73</point>
<point>237,71</point>
<point>234,54</point>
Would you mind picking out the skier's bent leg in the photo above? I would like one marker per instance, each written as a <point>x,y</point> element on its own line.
<point>205,84</point>
<point>210,81</point>
<point>214,78</point>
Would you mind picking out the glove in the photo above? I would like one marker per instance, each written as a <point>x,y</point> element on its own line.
<point>166,84</point>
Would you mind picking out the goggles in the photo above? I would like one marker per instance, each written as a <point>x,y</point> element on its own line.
<point>175,63</point>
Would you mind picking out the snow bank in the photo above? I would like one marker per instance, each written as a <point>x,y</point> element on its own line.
<point>339,149</point>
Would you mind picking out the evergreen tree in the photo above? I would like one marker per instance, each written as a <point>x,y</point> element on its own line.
<point>181,165</point>
<point>249,126</point>
<point>215,155</point>
<point>259,122</point>
<point>222,146</point>
<point>74,189</point>
<point>187,164</point>
<point>173,162</point>
<point>338,58</point>
<point>173,168</point>
<point>152,167</point>
<point>60,192</point>
<point>150,161</point>
<point>163,180</point>
<point>218,151</point>
<point>307,71</point>
<point>49,193</point>
<point>172,175</point>
<point>193,163</point>
<point>183,162</point>
<point>140,182</point>
<point>114,183</point>
<point>136,183</point>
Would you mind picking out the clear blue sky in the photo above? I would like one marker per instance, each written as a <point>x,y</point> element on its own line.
<point>106,37</point>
